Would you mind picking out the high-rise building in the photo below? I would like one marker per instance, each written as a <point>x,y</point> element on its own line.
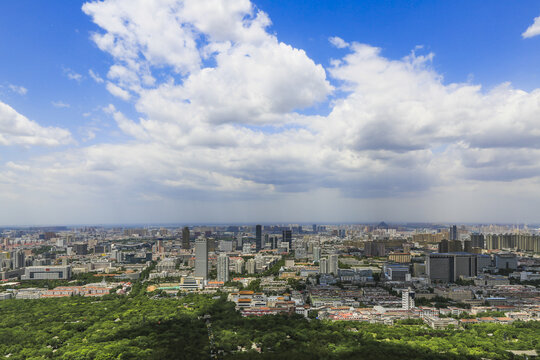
<point>201,257</point>
<point>287,237</point>
<point>211,244</point>
<point>446,246</point>
<point>266,243</point>
<point>316,253</point>
<point>251,266</point>
<point>333,264</point>
<point>80,249</point>
<point>323,266</point>
<point>258,238</point>
<point>239,266</point>
<point>477,240</point>
<point>374,248</point>
<point>315,228</point>
<point>407,299</point>
<point>18,259</point>
<point>223,268</point>
<point>467,246</point>
<point>453,232</point>
<point>185,238</point>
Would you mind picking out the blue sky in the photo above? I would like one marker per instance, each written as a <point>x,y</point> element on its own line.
<point>48,50</point>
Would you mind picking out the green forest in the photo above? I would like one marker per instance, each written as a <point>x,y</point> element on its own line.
<point>201,327</point>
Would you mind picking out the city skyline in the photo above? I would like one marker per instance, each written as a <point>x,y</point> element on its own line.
<point>261,111</point>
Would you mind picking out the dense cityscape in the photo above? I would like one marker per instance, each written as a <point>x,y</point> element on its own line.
<point>262,179</point>
<point>432,276</point>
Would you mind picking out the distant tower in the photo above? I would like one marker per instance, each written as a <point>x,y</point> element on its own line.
<point>223,268</point>
<point>201,258</point>
<point>316,253</point>
<point>287,237</point>
<point>258,238</point>
<point>453,233</point>
<point>323,266</point>
<point>185,238</point>
<point>333,264</point>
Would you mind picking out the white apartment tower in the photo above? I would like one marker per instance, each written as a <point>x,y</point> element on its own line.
<point>223,268</point>
<point>201,258</point>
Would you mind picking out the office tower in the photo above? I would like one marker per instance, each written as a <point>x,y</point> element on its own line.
<point>323,266</point>
<point>239,242</point>
<point>201,258</point>
<point>211,244</point>
<point>287,237</point>
<point>316,253</point>
<point>315,228</point>
<point>477,240</point>
<point>274,241</point>
<point>407,299</point>
<point>450,267</point>
<point>18,259</point>
<point>453,233</point>
<point>250,266</point>
<point>258,238</point>
<point>467,246</point>
<point>185,238</point>
<point>267,241</point>
<point>223,268</point>
<point>333,264</point>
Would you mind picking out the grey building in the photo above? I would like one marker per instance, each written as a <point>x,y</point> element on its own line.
<point>258,238</point>
<point>333,264</point>
<point>323,266</point>
<point>201,258</point>
<point>185,238</point>
<point>47,273</point>
<point>316,253</point>
<point>450,267</point>
<point>506,261</point>
<point>287,237</point>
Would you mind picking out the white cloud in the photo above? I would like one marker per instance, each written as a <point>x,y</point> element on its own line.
<point>21,90</point>
<point>60,104</point>
<point>95,76</point>
<point>338,42</point>
<point>72,75</point>
<point>16,129</point>
<point>231,130</point>
<point>118,91</point>
<point>532,30</point>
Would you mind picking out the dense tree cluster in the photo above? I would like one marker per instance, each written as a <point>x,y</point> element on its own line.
<point>195,326</point>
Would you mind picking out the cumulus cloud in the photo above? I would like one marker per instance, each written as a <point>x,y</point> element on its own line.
<point>218,99</point>
<point>338,42</point>
<point>118,91</point>
<point>16,129</point>
<point>532,30</point>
